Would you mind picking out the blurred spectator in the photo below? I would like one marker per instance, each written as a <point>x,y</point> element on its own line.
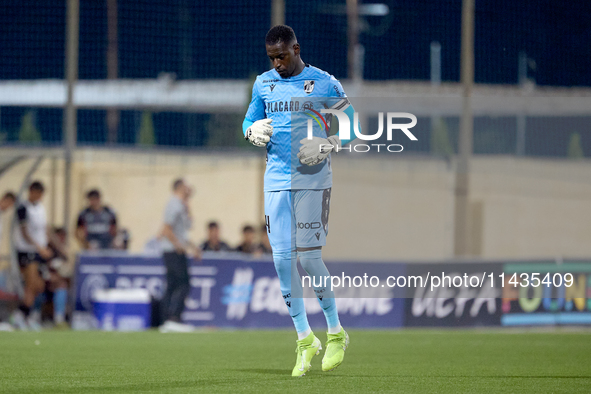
<point>175,246</point>
<point>213,242</point>
<point>31,244</point>
<point>97,224</point>
<point>6,202</point>
<point>58,246</point>
<point>57,281</point>
<point>121,240</point>
<point>153,246</point>
<point>248,244</point>
<point>265,245</point>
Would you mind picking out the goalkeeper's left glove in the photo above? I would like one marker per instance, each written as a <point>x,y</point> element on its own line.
<point>315,150</point>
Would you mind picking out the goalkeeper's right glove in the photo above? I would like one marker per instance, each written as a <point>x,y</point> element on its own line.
<point>313,151</point>
<point>259,134</point>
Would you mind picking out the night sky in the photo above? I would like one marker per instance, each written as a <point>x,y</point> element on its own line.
<point>225,39</point>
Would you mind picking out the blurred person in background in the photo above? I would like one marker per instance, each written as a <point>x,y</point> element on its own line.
<point>59,270</point>
<point>213,243</point>
<point>265,245</point>
<point>121,240</point>
<point>154,245</point>
<point>175,247</point>
<point>248,244</point>
<point>54,274</point>
<point>6,202</point>
<point>31,239</point>
<point>97,224</point>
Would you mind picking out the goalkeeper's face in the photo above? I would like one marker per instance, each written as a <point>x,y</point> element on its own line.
<point>284,57</point>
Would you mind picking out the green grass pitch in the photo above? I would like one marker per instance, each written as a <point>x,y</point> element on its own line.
<point>423,360</point>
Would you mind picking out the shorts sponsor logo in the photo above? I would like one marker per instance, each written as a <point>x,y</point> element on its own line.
<point>309,226</point>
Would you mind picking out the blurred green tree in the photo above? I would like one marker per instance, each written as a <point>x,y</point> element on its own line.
<point>146,136</point>
<point>575,148</point>
<point>225,130</point>
<point>440,142</point>
<point>28,131</point>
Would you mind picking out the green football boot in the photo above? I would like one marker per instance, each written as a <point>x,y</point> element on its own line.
<point>306,349</point>
<point>336,344</point>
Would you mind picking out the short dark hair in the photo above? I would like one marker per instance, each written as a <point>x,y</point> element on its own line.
<point>59,231</point>
<point>177,183</point>
<point>94,193</point>
<point>280,33</point>
<point>9,195</point>
<point>248,228</point>
<point>37,186</point>
<point>212,224</point>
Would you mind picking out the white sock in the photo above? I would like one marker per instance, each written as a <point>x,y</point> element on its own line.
<point>35,316</point>
<point>334,330</point>
<point>302,335</point>
<point>58,318</point>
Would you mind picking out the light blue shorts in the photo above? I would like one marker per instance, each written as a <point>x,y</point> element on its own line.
<point>297,218</point>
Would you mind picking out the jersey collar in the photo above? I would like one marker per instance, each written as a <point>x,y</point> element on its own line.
<point>300,75</point>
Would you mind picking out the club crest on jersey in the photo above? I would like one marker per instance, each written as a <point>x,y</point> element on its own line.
<point>308,86</point>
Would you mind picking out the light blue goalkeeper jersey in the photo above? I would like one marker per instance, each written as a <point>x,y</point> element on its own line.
<point>291,102</point>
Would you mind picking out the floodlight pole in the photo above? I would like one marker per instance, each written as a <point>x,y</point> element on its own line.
<point>69,125</point>
<point>521,118</point>
<point>277,12</point>
<point>435,63</point>
<point>113,115</point>
<point>353,65</point>
<point>461,214</point>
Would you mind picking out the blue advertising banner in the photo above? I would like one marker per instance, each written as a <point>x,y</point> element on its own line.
<point>524,293</point>
<point>230,291</point>
<point>454,295</point>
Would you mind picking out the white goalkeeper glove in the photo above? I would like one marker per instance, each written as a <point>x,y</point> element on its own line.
<point>315,150</point>
<point>259,134</point>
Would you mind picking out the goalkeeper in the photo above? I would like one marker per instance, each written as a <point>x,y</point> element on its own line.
<point>298,181</point>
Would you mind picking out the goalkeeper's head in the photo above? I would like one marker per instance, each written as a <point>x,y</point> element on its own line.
<point>284,51</point>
